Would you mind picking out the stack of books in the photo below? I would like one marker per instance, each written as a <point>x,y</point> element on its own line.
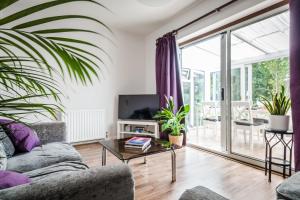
<point>138,144</point>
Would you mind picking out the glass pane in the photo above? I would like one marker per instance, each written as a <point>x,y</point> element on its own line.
<point>187,97</point>
<point>236,84</point>
<point>199,91</point>
<point>215,86</point>
<point>259,67</point>
<point>203,60</point>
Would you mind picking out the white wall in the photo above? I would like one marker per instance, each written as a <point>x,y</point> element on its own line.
<point>125,75</point>
<point>233,11</point>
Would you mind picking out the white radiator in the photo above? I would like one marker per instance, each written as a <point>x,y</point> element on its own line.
<point>84,125</point>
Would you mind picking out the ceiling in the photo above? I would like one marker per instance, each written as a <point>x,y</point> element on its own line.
<point>144,16</point>
<point>264,40</point>
<point>134,16</point>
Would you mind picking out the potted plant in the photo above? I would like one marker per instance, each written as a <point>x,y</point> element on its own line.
<point>278,107</point>
<point>173,121</point>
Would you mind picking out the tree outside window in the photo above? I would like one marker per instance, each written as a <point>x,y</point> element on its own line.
<point>268,76</point>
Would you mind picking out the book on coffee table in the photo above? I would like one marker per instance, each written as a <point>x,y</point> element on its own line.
<point>137,150</point>
<point>138,143</point>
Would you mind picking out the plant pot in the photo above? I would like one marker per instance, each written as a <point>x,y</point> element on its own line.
<point>177,140</point>
<point>279,122</point>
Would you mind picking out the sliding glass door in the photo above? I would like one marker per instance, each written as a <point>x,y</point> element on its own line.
<point>202,82</point>
<point>259,66</point>
<point>224,77</point>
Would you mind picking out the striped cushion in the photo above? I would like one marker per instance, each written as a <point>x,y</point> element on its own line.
<point>3,158</point>
<point>7,144</point>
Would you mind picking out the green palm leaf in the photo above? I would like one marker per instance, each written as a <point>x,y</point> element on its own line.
<point>6,3</point>
<point>58,18</point>
<point>26,75</point>
<point>37,8</point>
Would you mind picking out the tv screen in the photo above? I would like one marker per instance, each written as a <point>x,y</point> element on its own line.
<point>138,107</point>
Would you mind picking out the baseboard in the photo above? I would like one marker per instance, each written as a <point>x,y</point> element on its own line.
<point>86,142</point>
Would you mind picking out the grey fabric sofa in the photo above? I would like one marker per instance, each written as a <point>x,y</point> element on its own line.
<point>58,173</point>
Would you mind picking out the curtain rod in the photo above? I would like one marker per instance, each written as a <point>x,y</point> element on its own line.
<point>218,9</point>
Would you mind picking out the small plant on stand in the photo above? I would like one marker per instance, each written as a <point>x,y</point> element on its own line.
<point>278,108</point>
<point>172,121</point>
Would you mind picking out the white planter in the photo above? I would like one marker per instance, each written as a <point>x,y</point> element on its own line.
<point>279,122</point>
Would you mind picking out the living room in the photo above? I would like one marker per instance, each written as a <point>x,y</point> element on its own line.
<point>140,99</point>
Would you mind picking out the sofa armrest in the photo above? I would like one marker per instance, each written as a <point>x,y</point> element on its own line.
<point>101,183</point>
<point>50,131</point>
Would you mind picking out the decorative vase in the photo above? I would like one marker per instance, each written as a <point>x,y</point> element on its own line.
<point>279,122</point>
<point>177,140</point>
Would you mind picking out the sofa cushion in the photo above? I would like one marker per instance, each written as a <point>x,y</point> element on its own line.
<point>10,179</point>
<point>56,170</point>
<point>3,158</point>
<point>201,193</point>
<point>290,188</point>
<point>7,143</point>
<point>43,156</point>
<point>23,137</point>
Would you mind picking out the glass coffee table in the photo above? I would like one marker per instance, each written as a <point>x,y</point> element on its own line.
<point>116,147</point>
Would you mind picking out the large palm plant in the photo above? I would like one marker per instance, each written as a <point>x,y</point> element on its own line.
<point>27,72</point>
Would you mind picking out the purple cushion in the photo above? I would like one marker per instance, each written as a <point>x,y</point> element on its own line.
<point>23,137</point>
<point>10,179</point>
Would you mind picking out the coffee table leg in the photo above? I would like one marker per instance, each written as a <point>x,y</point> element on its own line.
<point>125,161</point>
<point>173,156</point>
<point>103,156</point>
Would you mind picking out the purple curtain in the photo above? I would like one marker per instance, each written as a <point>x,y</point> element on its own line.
<point>295,75</point>
<point>167,71</point>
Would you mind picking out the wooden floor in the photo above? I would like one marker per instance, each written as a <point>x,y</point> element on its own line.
<point>211,139</point>
<point>153,180</point>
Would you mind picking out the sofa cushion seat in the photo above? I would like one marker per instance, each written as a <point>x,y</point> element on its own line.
<point>290,188</point>
<point>56,170</point>
<point>43,156</point>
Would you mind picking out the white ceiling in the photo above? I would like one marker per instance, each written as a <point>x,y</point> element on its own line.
<point>260,41</point>
<point>144,16</point>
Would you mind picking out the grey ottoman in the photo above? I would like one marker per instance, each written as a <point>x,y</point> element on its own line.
<point>201,193</point>
<point>290,188</point>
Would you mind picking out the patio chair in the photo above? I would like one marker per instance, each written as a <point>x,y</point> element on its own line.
<point>242,119</point>
<point>211,116</point>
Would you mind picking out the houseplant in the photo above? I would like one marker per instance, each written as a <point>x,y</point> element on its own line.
<point>173,121</point>
<point>35,54</point>
<point>278,107</point>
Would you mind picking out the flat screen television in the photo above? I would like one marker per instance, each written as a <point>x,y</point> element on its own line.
<point>138,107</point>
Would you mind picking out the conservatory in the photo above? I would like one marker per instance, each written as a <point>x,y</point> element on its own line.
<point>258,65</point>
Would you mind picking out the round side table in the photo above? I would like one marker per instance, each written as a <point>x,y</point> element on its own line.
<point>274,138</point>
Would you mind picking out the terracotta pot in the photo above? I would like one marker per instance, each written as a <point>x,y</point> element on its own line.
<point>279,122</point>
<point>177,140</point>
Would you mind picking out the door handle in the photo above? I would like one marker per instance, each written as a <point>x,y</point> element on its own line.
<point>222,94</point>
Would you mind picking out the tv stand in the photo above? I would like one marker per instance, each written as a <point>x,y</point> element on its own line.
<point>137,127</point>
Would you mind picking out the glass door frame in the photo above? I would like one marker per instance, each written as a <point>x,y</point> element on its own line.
<point>223,80</point>
<point>225,68</point>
